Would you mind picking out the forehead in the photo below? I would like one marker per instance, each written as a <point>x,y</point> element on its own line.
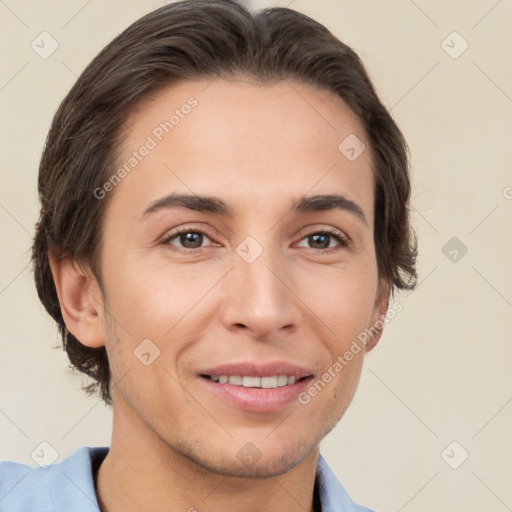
<point>245,140</point>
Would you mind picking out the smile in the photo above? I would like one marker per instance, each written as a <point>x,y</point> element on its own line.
<point>269,393</point>
<point>249,381</point>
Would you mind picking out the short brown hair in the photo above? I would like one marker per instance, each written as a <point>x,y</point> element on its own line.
<point>187,40</point>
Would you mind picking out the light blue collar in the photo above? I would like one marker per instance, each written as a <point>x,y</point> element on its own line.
<point>69,485</point>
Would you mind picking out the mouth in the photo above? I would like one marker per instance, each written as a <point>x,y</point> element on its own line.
<point>257,388</point>
<point>251,381</point>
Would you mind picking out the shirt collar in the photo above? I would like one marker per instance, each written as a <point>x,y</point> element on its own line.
<point>333,497</point>
<point>72,487</point>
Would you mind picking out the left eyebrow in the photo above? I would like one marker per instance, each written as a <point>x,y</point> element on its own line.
<point>215,205</point>
<point>329,202</point>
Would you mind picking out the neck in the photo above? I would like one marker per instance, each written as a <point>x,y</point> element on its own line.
<point>142,472</point>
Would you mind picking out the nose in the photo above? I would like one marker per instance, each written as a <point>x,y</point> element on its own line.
<point>258,297</point>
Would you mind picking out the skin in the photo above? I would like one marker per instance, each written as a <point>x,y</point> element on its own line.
<point>258,148</point>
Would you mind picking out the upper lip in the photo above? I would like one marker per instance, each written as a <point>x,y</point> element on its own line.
<point>253,369</point>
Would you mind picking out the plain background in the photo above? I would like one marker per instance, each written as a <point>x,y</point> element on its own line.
<point>441,372</point>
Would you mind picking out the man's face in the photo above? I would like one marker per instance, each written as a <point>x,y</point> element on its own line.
<point>255,297</point>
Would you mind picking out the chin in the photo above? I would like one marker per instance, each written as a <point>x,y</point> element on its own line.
<point>249,461</point>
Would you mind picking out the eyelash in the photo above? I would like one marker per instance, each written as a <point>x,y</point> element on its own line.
<point>344,241</point>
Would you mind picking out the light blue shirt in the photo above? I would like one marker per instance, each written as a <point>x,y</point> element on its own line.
<point>68,486</point>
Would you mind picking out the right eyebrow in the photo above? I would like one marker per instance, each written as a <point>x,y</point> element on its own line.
<point>206,204</point>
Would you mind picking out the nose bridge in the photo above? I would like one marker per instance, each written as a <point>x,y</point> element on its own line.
<point>258,297</point>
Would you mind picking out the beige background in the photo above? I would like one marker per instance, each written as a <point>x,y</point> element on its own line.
<point>442,370</point>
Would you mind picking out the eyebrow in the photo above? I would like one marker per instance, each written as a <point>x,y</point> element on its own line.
<point>209,204</point>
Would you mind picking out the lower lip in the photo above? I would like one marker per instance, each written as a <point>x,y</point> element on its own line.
<point>257,399</point>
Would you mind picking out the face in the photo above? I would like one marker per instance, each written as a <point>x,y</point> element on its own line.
<point>226,306</point>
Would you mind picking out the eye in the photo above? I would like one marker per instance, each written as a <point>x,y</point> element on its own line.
<point>193,238</point>
<point>188,238</point>
<point>322,239</point>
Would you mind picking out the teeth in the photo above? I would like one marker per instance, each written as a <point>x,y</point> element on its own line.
<point>282,380</point>
<point>269,382</point>
<point>248,381</point>
<point>251,382</point>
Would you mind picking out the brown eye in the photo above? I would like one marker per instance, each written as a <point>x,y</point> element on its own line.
<point>320,241</point>
<point>323,240</point>
<point>188,239</point>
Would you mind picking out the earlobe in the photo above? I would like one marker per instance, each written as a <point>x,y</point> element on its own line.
<point>80,299</point>
<point>379,315</point>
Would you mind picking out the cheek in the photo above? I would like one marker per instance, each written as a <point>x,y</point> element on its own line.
<point>153,297</point>
<point>157,310</point>
<point>346,305</point>
<point>341,298</point>
<point>330,394</point>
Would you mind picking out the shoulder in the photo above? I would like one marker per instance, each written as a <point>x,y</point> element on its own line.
<point>67,485</point>
<point>333,497</point>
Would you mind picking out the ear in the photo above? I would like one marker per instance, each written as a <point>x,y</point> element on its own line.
<point>80,298</point>
<point>378,315</point>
